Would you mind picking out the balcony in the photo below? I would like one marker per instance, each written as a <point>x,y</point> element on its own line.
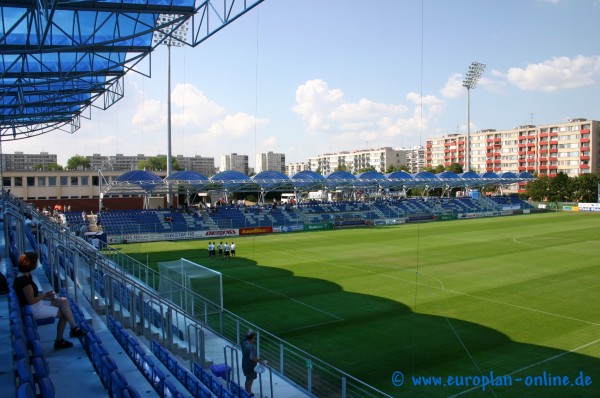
<point>585,131</point>
<point>497,168</point>
<point>553,150</point>
<point>584,157</point>
<point>543,159</point>
<point>584,166</point>
<point>543,134</point>
<point>543,151</point>
<point>521,168</point>
<point>531,152</point>
<point>583,140</point>
<point>553,167</point>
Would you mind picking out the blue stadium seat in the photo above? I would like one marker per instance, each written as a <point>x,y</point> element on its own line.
<point>227,394</point>
<point>24,372</point>
<point>20,349</point>
<point>46,388</point>
<point>130,392</point>
<point>40,367</point>
<point>25,391</point>
<point>192,384</point>
<point>158,379</point>
<point>204,392</point>
<point>147,367</point>
<point>169,390</point>
<point>107,366</point>
<point>215,386</point>
<point>118,384</point>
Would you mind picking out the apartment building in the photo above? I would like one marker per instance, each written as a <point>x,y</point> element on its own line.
<point>572,147</point>
<point>293,168</point>
<point>27,161</point>
<point>354,161</point>
<point>269,161</point>
<point>235,162</point>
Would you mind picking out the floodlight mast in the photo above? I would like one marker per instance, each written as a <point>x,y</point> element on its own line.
<point>170,36</point>
<point>470,82</point>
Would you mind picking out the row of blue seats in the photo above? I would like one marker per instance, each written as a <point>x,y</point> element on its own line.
<point>32,372</point>
<point>112,380</point>
<point>161,384</point>
<point>200,382</point>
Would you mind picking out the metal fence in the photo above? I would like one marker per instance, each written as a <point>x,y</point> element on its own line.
<point>116,284</point>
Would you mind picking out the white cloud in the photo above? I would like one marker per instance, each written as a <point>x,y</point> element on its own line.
<point>549,1</point>
<point>453,87</point>
<point>556,74</point>
<point>194,112</point>
<point>353,124</point>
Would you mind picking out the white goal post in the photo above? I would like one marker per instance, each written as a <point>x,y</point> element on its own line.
<point>186,283</point>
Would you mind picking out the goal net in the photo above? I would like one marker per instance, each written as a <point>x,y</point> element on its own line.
<point>195,288</point>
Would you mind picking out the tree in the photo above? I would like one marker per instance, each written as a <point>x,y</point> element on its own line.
<point>155,163</point>
<point>560,188</point>
<point>341,167</point>
<point>435,170</point>
<point>455,168</point>
<point>397,167</point>
<point>539,189</point>
<point>78,162</point>
<point>585,188</point>
<point>49,166</point>
<point>365,169</point>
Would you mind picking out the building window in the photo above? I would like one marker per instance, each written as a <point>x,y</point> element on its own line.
<point>64,181</point>
<point>74,181</point>
<point>41,181</point>
<point>85,181</point>
<point>52,181</point>
<point>95,181</point>
<point>30,181</point>
<point>18,181</point>
<point>6,181</point>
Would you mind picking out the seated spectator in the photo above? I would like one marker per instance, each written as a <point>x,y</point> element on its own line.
<point>44,305</point>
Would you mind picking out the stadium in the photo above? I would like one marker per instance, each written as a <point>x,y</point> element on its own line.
<point>382,285</point>
<point>349,298</point>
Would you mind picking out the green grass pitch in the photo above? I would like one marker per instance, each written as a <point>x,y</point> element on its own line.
<point>517,296</point>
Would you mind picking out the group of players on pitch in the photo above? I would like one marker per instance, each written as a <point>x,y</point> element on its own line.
<point>226,249</point>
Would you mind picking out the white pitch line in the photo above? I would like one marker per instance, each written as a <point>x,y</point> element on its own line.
<point>443,289</point>
<point>562,354</point>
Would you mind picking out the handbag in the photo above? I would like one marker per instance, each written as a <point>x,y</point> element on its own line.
<point>260,368</point>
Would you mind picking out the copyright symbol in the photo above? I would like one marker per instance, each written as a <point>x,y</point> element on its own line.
<point>397,378</point>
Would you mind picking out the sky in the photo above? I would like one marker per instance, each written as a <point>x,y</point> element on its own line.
<point>308,77</point>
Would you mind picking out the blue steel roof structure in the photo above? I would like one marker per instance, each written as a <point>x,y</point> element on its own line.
<point>136,180</point>
<point>59,58</point>
<point>273,181</point>
<point>307,180</point>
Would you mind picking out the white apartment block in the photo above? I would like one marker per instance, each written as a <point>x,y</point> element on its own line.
<point>572,147</point>
<point>27,161</point>
<point>293,168</point>
<point>269,161</point>
<point>355,161</point>
<point>235,162</point>
<point>200,164</point>
<point>415,158</point>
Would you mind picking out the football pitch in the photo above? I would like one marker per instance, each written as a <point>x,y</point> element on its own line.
<point>511,300</point>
